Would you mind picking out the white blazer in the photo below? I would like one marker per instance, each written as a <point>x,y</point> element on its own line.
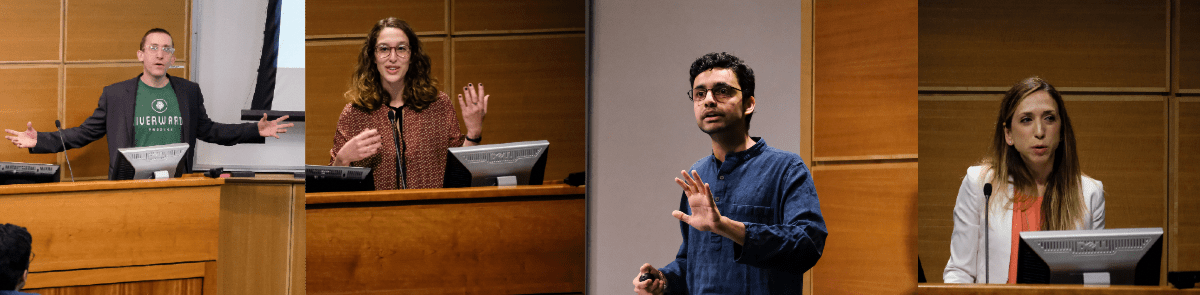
<point>966,263</point>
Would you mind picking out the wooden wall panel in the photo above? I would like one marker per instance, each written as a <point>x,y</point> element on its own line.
<point>28,95</point>
<point>865,93</point>
<point>331,17</point>
<point>84,85</point>
<point>29,30</point>
<point>108,30</point>
<point>957,131</point>
<point>537,92</point>
<point>870,211</point>
<point>1079,43</point>
<point>1121,142</point>
<point>191,286</point>
<point>522,15</point>
<point>329,68</point>
<point>1189,46</point>
<point>478,247</point>
<point>1185,243</point>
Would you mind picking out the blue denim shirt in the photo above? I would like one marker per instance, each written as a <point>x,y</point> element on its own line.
<point>10,292</point>
<point>771,191</point>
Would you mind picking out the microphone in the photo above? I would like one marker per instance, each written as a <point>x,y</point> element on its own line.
<point>58,125</point>
<point>987,269</point>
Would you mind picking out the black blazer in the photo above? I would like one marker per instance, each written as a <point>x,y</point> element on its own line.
<point>114,117</point>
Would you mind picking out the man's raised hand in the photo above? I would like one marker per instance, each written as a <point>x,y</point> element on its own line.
<point>23,139</point>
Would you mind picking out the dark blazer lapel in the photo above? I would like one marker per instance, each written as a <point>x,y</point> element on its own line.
<point>123,110</point>
<point>185,109</point>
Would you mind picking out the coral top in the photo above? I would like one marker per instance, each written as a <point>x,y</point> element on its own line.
<point>1027,216</point>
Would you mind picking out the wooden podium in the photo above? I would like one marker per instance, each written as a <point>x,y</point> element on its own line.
<point>116,237</point>
<point>163,236</point>
<point>487,240</point>
<point>262,236</point>
<point>1031,289</point>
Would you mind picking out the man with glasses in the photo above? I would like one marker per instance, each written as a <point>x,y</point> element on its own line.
<point>15,255</point>
<point>749,215</point>
<point>151,109</point>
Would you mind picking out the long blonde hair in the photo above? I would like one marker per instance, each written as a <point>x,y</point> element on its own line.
<point>366,86</point>
<point>1062,206</point>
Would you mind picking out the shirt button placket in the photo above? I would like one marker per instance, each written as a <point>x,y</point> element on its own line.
<point>718,198</point>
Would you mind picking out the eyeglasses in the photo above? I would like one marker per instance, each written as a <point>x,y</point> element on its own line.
<point>387,51</point>
<point>720,93</point>
<point>167,50</point>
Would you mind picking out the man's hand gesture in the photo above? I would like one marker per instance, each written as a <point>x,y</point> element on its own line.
<point>26,139</point>
<point>272,128</point>
<point>705,216</point>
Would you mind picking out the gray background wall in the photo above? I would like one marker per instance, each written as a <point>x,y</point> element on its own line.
<point>227,44</point>
<point>642,130</point>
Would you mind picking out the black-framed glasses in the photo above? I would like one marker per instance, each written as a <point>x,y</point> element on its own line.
<point>164,49</point>
<point>383,51</point>
<point>720,93</point>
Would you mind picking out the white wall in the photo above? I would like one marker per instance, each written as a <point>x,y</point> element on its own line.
<point>227,45</point>
<point>642,130</point>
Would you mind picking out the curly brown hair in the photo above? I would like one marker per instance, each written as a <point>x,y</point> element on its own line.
<point>366,86</point>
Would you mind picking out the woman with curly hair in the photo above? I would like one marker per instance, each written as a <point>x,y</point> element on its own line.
<point>397,122</point>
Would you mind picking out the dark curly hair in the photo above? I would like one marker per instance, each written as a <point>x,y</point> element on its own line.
<point>15,244</point>
<point>366,86</point>
<point>744,74</point>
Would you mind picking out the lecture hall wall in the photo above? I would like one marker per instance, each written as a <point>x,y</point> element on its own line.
<point>57,56</point>
<point>850,113</point>
<point>528,54</point>
<point>1130,74</point>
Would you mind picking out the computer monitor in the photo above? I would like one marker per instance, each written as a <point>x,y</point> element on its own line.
<point>18,173</point>
<point>143,162</point>
<point>516,163</point>
<point>337,179</point>
<point>1128,256</point>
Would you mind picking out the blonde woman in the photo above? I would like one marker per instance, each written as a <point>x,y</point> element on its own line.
<point>1033,170</point>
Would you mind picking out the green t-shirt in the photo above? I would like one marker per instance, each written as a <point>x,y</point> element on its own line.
<point>156,119</point>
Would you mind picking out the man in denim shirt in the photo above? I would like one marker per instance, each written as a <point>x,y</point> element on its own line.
<point>756,226</point>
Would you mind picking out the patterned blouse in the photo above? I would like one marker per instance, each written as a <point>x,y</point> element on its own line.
<point>426,135</point>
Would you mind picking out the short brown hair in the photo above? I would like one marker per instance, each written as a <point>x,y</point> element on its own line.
<point>151,31</point>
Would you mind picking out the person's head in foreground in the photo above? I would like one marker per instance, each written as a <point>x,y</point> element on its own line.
<point>15,249</point>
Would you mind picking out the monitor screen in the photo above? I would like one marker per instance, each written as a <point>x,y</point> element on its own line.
<point>337,179</point>
<point>516,163</point>
<point>1129,256</point>
<point>18,173</point>
<point>145,161</point>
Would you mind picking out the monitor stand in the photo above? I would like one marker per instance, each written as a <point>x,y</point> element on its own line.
<point>510,180</point>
